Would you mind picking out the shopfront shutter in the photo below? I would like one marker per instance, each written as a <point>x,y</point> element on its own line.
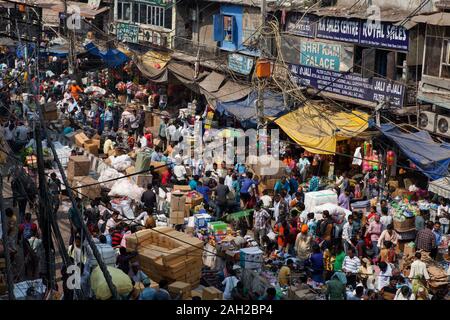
<point>218,27</point>
<point>235,33</point>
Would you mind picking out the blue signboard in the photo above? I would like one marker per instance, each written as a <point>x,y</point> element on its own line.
<point>339,29</point>
<point>350,85</point>
<point>320,55</point>
<point>383,34</point>
<point>240,63</point>
<point>301,25</point>
<point>368,33</point>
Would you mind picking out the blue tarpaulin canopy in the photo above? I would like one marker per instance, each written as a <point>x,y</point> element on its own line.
<point>245,109</point>
<point>112,58</point>
<point>430,157</point>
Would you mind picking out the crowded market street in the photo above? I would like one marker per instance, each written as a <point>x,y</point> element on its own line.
<point>129,172</point>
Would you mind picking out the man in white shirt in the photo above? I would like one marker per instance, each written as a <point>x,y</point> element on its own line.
<point>350,266</point>
<point>112,222</point>
<point>303,166</point>
<point>347,233</point>
<point>384,276</point>
<point>266,199</point>
<point>419,268</point>
<point>180,173</point>
<point>229,179</point>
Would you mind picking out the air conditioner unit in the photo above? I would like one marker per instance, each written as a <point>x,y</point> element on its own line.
<point>443,125</point>
<point>426,120</point>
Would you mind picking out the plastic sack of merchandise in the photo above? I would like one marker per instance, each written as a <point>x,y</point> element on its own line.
<point>124,207</point>
<point>335,211</point>
<point>121,163</point>
<point>108,174</point>
<point>121,281</point>
<point>124,188</point>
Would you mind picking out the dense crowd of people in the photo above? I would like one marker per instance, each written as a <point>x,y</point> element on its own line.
<point>354,257</point>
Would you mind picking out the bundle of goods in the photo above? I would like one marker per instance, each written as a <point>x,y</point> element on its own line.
<point>217,230</point>
<point>404,216</point>
<point>124,188</point>
<point>78,166</point>
<point>121,87</point>
<point>438,275</point>
<point>168,254</point>
<point>251,258</point>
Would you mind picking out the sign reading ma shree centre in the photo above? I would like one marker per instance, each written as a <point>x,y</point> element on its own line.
<point>365,32</point>
<point>320,55</point>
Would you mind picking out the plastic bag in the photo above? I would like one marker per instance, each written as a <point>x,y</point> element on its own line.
<point>124,188</point>
<point>108,174</point>
<point>121,163</point>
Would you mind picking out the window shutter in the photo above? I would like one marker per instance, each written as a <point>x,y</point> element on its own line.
<point>218,27</point>
<point>235,33</point>
<point>368,63</point>
<point>391,68</point>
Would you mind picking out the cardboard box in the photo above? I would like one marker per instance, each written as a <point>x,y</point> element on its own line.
<point>181,188</point>
<point>177,218</point>
<point>142,180</point>
<point>177,202</point>
<point>91,147</point>
<point>160,167</point>
<point>251,258</point>
<point>50,111</point>
<point>96,142</point>
<point>78,166</point>
<point>90,192</point>
<point>130,170</point>
<point>179,286</point>
<point>194,201</point>
<point>408,251</point>
<point>211,293</point>
<point>197,293</point>
<point>80,139</point>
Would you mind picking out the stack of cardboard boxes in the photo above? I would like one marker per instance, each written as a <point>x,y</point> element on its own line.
<point>177,208</point>
<point>78,175</point>
<point>141,180</point>
<point>90,145</point>
<point>168,254</point>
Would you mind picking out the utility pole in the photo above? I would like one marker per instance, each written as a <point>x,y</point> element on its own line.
<point>5,241</point>
<point>68,33</point>
<point>261,81</point>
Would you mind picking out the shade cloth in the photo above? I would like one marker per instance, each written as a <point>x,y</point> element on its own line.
<point>112,58</point>
<point>430,157</point>
<point>317,129</point>
<point>441,187</point>
<point>153,65</point>
<point>245,109</point>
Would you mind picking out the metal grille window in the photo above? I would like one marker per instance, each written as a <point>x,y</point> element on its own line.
<point>124,11</point>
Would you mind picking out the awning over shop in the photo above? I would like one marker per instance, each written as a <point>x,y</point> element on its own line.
<point>186,75</point>
<point>441,187</point>
<point>245,109</point>
<point>317,129</point>
<point>112,58</point>
<point>435,19</point>
<point>216,87</point>
<point>430,157</point>
<point>441,100</point>
<point>212,82</point>
<point>153,65</point>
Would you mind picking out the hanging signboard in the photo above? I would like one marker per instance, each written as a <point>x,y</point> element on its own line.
<point>383,34</point>
<point>301,25</point>
<point>240,63</point>
<point>320,55</point>
<point>127,32</point>
<point>339,29</point>
<point>350,85</point>
<point>366,32</point>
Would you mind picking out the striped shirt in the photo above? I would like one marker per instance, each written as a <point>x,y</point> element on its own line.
<point>351,265</point>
